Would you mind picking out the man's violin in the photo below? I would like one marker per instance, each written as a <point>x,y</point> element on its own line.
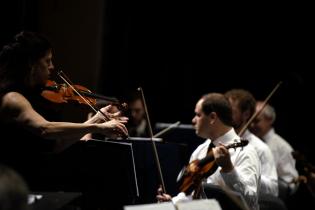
<point>191,176</point>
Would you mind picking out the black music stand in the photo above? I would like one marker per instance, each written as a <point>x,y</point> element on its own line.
<point>181,134</point>
<point>115,163</point>
<point>54,200</point>
<point>103,171</point>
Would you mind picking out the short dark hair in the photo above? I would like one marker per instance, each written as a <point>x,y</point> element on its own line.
<point>246,101</point>
<point>218,103</point>
<point>133,96</point>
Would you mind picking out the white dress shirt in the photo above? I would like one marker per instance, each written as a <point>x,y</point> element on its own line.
<point>281,150</point>
<point>269,177</point>
<point>244,178</point>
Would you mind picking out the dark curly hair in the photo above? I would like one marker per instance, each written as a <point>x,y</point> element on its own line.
<point>17,57</point>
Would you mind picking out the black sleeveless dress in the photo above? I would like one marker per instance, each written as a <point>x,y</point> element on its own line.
<point>30,155</point>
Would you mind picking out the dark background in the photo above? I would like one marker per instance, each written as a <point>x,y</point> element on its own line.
<point>178,51</point>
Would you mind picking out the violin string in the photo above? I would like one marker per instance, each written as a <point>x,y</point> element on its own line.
<point>153,143</point>
<point>84,99</point>
<point>94,95</point>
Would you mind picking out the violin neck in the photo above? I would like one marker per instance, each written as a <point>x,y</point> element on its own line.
<point>207,159</point>
<point>98,96</point>
<point>51,88</point>
<point>210,157</point>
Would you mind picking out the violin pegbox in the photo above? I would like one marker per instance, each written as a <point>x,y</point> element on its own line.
<point>243,143</point>
<point>238,143</point>
<point>235,143</point>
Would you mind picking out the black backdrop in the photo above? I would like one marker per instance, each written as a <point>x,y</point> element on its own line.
<point>178,51</point>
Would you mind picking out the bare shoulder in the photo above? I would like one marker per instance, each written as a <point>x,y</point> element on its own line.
<point>12,104</point>
<point>13,100</point>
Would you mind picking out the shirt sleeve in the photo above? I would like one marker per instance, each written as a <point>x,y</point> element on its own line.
<point>181,197</point>
<point>244,178</point>
<point>286,168</point>
<point>269,177</point>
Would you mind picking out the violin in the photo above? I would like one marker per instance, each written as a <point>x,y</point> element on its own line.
<point>306,172</point>
<point>191,176</point>
<point>63,93</point>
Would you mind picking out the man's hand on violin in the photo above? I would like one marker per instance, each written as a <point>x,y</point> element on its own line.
<point>222,158</point>
<point>162,197</point>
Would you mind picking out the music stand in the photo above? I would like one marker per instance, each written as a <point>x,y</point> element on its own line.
<point>103,171</point>
<point>181,134</point>
<point>54,200</point>
<point>114,162</point>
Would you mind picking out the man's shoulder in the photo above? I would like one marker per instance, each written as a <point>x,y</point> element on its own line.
<point>279,142</point>
<point>199,148</point>
<point>250,149</point>
<point>248,153</point>
<point>257,142</point>
<point>203,145</point>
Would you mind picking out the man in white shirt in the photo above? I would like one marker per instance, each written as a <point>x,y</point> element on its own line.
<point>243,107</point>
<point>262,126</point>
<point>238,169</point>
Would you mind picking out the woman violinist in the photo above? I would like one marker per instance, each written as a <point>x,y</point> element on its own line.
<point>25,66</point>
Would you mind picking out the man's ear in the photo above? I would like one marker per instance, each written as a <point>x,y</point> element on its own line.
<point>268,120</point>
<point>213,117</point>
<point>246,115</point>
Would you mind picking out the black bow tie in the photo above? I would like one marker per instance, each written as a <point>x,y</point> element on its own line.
<point>211,145</point>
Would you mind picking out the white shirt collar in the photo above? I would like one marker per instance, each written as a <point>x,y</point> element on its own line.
<point>141,127</point>
<point>228,137</point>
<point>269,134</point>
<point>246,134</point>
